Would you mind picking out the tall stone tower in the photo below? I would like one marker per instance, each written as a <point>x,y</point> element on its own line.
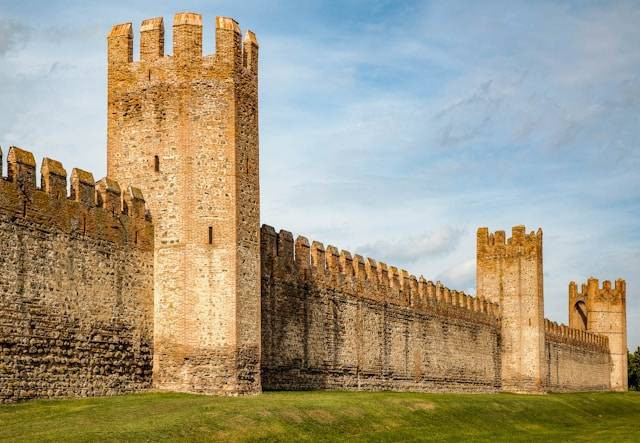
<point>510,273</point>
<point>604,311</point>
<point>184,129</point>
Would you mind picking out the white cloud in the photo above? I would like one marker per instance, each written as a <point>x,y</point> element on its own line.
<point>412,248</point>
<point>13,36</point>
<point>461,275</point>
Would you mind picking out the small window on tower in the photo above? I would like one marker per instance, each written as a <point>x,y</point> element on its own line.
<point>210,235</point>
<point>156,163</point>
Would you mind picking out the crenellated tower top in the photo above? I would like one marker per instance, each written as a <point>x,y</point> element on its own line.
<point>616,293</point>
<point>233,52</point>
<point>496,245</point>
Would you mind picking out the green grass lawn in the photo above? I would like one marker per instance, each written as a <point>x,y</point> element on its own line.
<point>334,416</point>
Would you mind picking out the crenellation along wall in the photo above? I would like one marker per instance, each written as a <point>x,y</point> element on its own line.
<point>331,320</point>
<point>576,360</point>
<point>76,300</point>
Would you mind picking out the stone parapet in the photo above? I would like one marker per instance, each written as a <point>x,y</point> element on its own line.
<point>577,337</point>
<point>233,51</point>
<point>520,243</point>
<point>302,261</point>
<point>98,210</point>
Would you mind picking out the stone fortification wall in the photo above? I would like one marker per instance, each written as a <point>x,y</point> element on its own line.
<point>576,360</point>
<point>76,300</point>
<point>331,320</point>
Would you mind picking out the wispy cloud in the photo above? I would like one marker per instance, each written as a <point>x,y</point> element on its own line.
<point>13,36</point>
<point>462,275</point>
<point>412,248</point>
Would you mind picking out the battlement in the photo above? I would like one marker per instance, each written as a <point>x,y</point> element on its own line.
<point>520,243</point>
<point>232,50</point>
<point>577,337</point>
<point>592,289</point>
<point>99,209</point>
<point>286,258</point>
<point>601,309</point>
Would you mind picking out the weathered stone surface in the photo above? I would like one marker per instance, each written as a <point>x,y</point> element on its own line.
<point>76,300</point>
<point>575,360</point>
<point>330,321</point>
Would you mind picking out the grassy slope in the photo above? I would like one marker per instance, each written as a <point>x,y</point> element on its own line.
<point>334,416</point>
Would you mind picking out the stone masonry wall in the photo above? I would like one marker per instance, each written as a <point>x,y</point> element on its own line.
<point>576,360</point>
<point>333,321</point>
<point>76,281</point>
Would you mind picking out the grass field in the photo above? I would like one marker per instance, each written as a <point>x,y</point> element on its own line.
<point>333,416</point>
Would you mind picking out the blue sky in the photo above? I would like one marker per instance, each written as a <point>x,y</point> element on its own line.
<point>393,128</point>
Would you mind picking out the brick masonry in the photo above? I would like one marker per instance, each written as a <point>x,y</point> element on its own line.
<point>184,128</point>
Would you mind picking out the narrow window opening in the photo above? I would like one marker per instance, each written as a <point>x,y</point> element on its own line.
<point>149,74</point>
<point>247,165</point>
<point>210,235</point>
<point>156,163</point>
<point>136,238</point>
<point>24,208</point>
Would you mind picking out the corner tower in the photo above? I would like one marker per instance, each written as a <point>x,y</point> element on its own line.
<point>184,129</point>
<point>603,311</point>
<point>510,273</point>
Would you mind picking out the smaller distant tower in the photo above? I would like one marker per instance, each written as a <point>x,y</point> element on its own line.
<point>510,273</point>
<point>603,311</point>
